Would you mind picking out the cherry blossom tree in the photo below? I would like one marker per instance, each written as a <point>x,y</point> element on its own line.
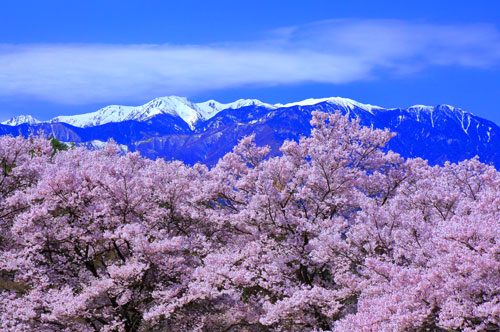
<point>335,234</point>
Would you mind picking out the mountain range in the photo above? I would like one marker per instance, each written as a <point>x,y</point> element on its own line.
<point>175,128</point>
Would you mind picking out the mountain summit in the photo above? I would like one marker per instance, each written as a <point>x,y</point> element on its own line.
<point>17,120</point>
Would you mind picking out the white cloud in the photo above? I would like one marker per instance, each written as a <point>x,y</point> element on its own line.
<point>337,51</point>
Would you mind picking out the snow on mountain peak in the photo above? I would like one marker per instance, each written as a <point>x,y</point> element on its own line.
<point>17,120</point>
<point>211,107</point>
<point>344,102</point>
<point>421,108</point>
<point>173,105</point>
<point>177,106</point>
<point>112,113</point>
<point>248,102</point>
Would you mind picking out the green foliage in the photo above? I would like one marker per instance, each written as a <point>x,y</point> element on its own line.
<point>57,145</point>
<point>6,167</point>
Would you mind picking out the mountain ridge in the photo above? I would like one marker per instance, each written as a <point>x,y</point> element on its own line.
<point>175,128</point>
<point>178,106</point>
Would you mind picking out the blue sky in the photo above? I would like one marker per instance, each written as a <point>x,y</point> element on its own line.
<point>66,57</point>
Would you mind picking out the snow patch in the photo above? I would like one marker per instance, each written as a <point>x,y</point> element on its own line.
<point>98,144</point>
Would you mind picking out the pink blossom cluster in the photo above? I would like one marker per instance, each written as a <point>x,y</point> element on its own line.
<point>335,234</point>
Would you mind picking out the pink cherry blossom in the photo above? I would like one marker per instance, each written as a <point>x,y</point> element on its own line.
<point>335,234</point>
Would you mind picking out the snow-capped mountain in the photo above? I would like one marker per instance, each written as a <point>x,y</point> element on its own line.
<point>176,106</point>
<point>211,107</point>
<point>192,113</point>
<point>339,101</point>
<point>17,120</point>
<point>175,128</point>
<point>189,112</point>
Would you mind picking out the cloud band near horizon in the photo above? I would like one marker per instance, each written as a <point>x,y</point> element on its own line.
<point>337,52</point>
